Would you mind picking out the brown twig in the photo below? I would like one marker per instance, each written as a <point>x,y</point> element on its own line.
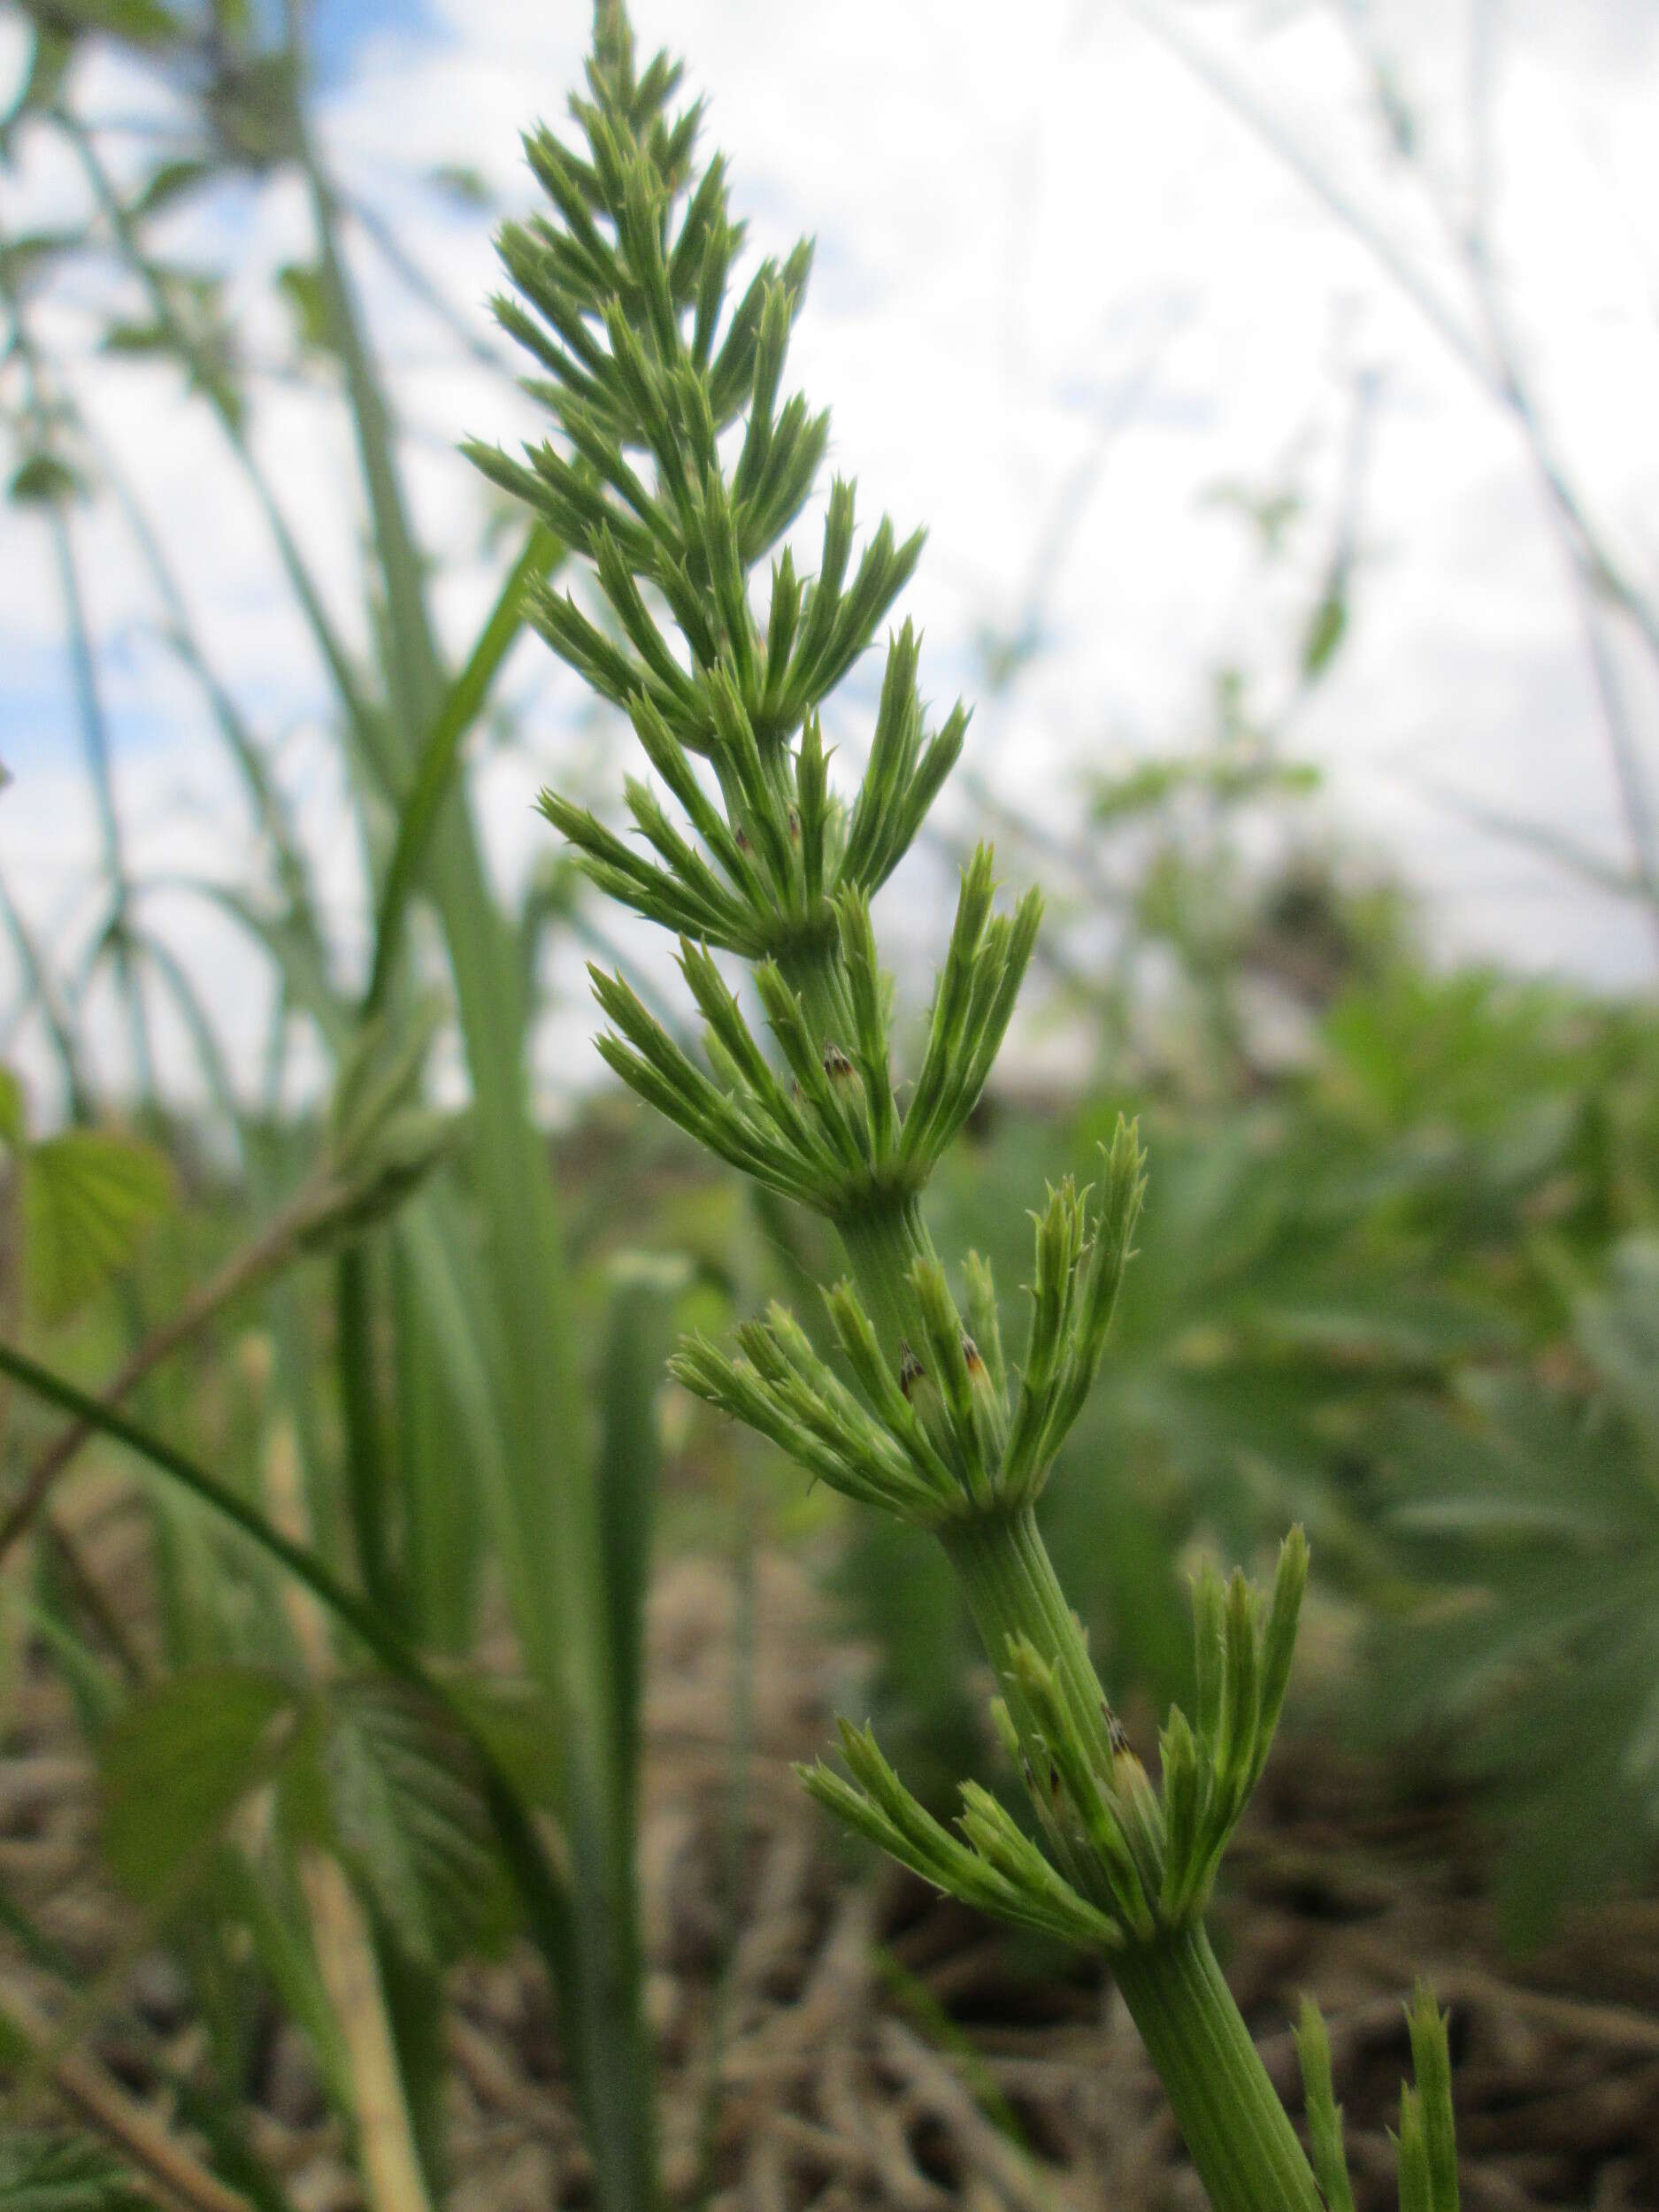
<point>99,2099</point>
<point>390,2161</point>
<point>264,1256</point>
<point>1601,579</point>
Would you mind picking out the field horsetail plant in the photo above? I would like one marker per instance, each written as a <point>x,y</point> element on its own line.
<point>677,465</point>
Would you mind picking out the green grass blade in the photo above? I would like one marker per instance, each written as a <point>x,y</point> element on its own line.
<point>546,1900</point>
<point>549,1537</point>
<point>541,554</point>
<point>363,723</point>
<point>630,1453</point>
<point>40,991</point>
<point>368,1460</point>
<point>303,1564</point>
<point>445,1425</point>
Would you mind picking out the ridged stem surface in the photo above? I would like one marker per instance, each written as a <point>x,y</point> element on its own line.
<point>1229,2113</point>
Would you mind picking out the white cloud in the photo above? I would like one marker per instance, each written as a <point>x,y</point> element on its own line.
<point>1044,246</point>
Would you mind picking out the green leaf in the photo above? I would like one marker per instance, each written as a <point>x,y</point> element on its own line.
<point>175,1765</point>
<point>88,1195</point>
<point>44,480</point>
<point>187,324</point>
<point>14,1111</point>
<point>140,338</point>
<point>515,1722</point>
<point>23,259</point>
<point>402,1796</point>
<point>1618,1332</point>
<point>251,108</point>
<point>1326,631</point>
<point>547,1901</point>
<point>266,1897</point>
<point>383,1142</point>
<point>301,285</point>
<point>467,188</point>
<point>43,2172</point>
<point>381,1076</point>
<point>48,64</point>
<point>140,22</point>
<point>168,182</point>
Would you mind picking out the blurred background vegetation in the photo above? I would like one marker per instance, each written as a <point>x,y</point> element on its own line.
<point>377,1252</point>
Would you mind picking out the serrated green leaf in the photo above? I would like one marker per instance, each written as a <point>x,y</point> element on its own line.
<point>175,1765</point>
<point>515,1720</point>
<point>88,1195</point>
<point>407,1816</point>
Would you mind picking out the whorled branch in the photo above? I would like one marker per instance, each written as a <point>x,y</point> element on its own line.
<point>680,469</point>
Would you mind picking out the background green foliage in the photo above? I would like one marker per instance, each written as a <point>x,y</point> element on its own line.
<point>1399,1281</point>
<point>1407,1295</point>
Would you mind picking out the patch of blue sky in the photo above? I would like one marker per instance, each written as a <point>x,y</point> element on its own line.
<point>138,697</point>
<point>40,728</point>
<point>341,30</point>
<point>37,724</point>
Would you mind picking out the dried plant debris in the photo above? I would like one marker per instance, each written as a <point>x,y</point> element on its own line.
<point>878,2046</point>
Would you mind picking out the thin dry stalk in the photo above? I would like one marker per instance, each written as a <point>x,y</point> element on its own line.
<point>392,2173</point>
<point>265,1255</point>
<point>101,2101</point>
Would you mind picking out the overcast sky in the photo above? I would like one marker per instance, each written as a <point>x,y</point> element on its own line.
<point>1063,292</point>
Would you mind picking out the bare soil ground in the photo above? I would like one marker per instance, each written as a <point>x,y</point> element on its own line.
<point>861,2044</point>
